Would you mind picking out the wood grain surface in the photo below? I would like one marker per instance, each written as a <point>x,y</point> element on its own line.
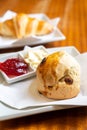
<point>73,24</point>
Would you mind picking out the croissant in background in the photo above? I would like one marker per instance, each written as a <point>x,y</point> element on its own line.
<point>22,25</point>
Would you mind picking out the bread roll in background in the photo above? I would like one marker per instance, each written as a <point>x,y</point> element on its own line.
<point>22,25</point>
<point>7,28</point>
<point>58,76</point>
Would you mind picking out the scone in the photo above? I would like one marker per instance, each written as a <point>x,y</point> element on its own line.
<point>58,76</point>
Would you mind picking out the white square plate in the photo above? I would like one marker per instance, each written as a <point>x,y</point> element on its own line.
<point>7,112</point>
<point>34,40</point>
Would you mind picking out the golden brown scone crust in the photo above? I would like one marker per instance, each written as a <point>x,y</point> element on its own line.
<point>58,76</point>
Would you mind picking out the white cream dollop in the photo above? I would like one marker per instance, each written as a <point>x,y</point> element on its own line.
<point>34,57</point>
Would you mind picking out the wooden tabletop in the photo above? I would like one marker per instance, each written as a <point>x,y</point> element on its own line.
<point>73,24</point>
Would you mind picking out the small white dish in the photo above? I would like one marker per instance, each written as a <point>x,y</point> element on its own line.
<point>23,54</point>
<point>30,73</point>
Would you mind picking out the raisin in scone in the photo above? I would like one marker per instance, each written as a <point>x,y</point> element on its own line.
<point>58,76</point>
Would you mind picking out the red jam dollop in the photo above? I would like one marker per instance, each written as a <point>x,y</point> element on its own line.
<point>14,67</point>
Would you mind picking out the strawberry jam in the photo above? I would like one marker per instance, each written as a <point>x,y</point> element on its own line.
<point>14,67</point>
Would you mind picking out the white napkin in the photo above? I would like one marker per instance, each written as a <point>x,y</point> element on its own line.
<point>82,59</point>
<point>31,40</point>
<point>24,94</point>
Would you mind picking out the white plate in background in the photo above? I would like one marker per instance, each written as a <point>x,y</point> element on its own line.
<point>56,35</point>
<point>7,112</point>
